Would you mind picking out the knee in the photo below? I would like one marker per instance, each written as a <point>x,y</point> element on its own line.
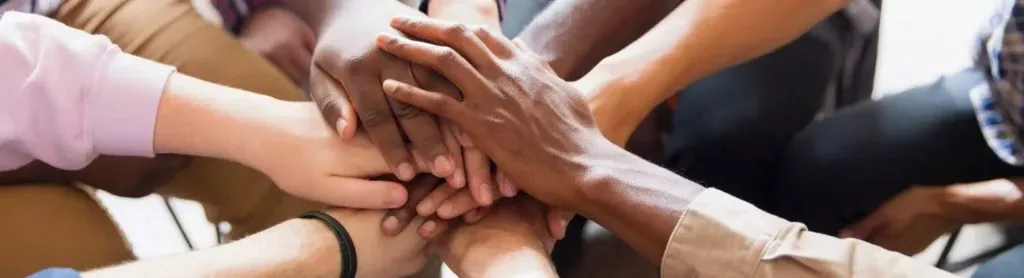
<point>813,185</point>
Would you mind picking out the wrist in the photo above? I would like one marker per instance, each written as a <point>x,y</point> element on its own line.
<point>616,116</point>
<point>199,118</point>
<point>957,206</point>
<point>488,253</point>
<point>309,245</point>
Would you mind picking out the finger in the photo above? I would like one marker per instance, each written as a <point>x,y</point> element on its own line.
<point>458,178</point>
<point>523,48</point>
<point>463,137</point>
<point>303,59</point>
<point>505,186</point>
<point>308,39</point>
<point>476,215</point>
<point>456,205</point>
<point>395,220</point>
<point>432,102</point>
<point>460,37</point>
<point>371,104</point>
<point>421,128</point>
<point>558,220</point>
<point>478,172</point>
<point>428,206</point>
<point>356,193</point>
<point>499,45</point>
<point>333,102</point>
<point>288,67</point>
<point>433,228</point>
<point>439,58</point>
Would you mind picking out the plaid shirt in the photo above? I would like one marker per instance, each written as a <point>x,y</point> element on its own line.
<point>999,104</point>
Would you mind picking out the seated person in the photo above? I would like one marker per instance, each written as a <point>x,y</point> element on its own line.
<point>903,170</point>
<point>172,32</point>
<point>534,125</point>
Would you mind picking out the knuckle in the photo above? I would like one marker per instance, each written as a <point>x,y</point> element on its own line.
<point>433,143</point>
<point>406,111</point>
<point>373,118</point>
<point>356,64</point>
<point>447,58</point>
<point>457,31</point>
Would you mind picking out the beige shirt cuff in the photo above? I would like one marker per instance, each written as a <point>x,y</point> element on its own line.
<point>722,236</point>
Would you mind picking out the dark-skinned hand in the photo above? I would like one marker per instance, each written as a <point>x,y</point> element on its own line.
<point>535,126</point>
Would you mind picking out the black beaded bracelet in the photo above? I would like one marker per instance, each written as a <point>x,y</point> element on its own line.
<point>348,248</point>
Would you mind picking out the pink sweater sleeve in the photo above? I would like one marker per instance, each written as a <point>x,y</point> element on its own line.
<point>67,96</point>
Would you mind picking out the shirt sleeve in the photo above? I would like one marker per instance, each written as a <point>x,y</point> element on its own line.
<point>722,236</point>
<point>56,273</point>
<point>67,96</point>
<point>233,13</point>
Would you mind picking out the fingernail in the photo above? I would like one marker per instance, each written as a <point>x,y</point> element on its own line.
<point>390,85</point>
<point>399,20</point>
<point>405,171</point>
<point>485,198</point>
<point>396,199</point>
<point>564,223</point>
<point>443,165</point>
<point>424,207</point>
<point>385,38</point>
<point>471,215</point>
<point>445,210</point>
<point>506,189</point>
<point>391,223</point>
<point>429,227</point>
<point>340,126</point>
<point>458,179</point>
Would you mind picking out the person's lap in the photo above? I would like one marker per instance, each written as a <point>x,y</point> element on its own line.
<point>839,169</point>
<point>47,225</point>
<point>730,129</point>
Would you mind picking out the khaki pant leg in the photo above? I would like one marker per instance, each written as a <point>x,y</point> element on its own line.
<point>56,225</point>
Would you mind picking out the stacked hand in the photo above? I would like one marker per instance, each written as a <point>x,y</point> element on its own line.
<point>281,38</point>
<point>346,78</point>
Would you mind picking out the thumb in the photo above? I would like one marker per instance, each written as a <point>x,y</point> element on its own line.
<point>331,98</point>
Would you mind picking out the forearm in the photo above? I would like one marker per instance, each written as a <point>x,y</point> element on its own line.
<point>522,261</point>
<point>482,12</point>
<point>989,201</point>
<point>698,38</point>
<point>636,200</point>
<point>296,248</point>
<point>200,118</point>
<point>321,14</point>
<point>574,35</point>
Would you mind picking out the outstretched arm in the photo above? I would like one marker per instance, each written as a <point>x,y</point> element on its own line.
<point>698,38</point>
<point>574,35</point>
<point>540,132</point>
